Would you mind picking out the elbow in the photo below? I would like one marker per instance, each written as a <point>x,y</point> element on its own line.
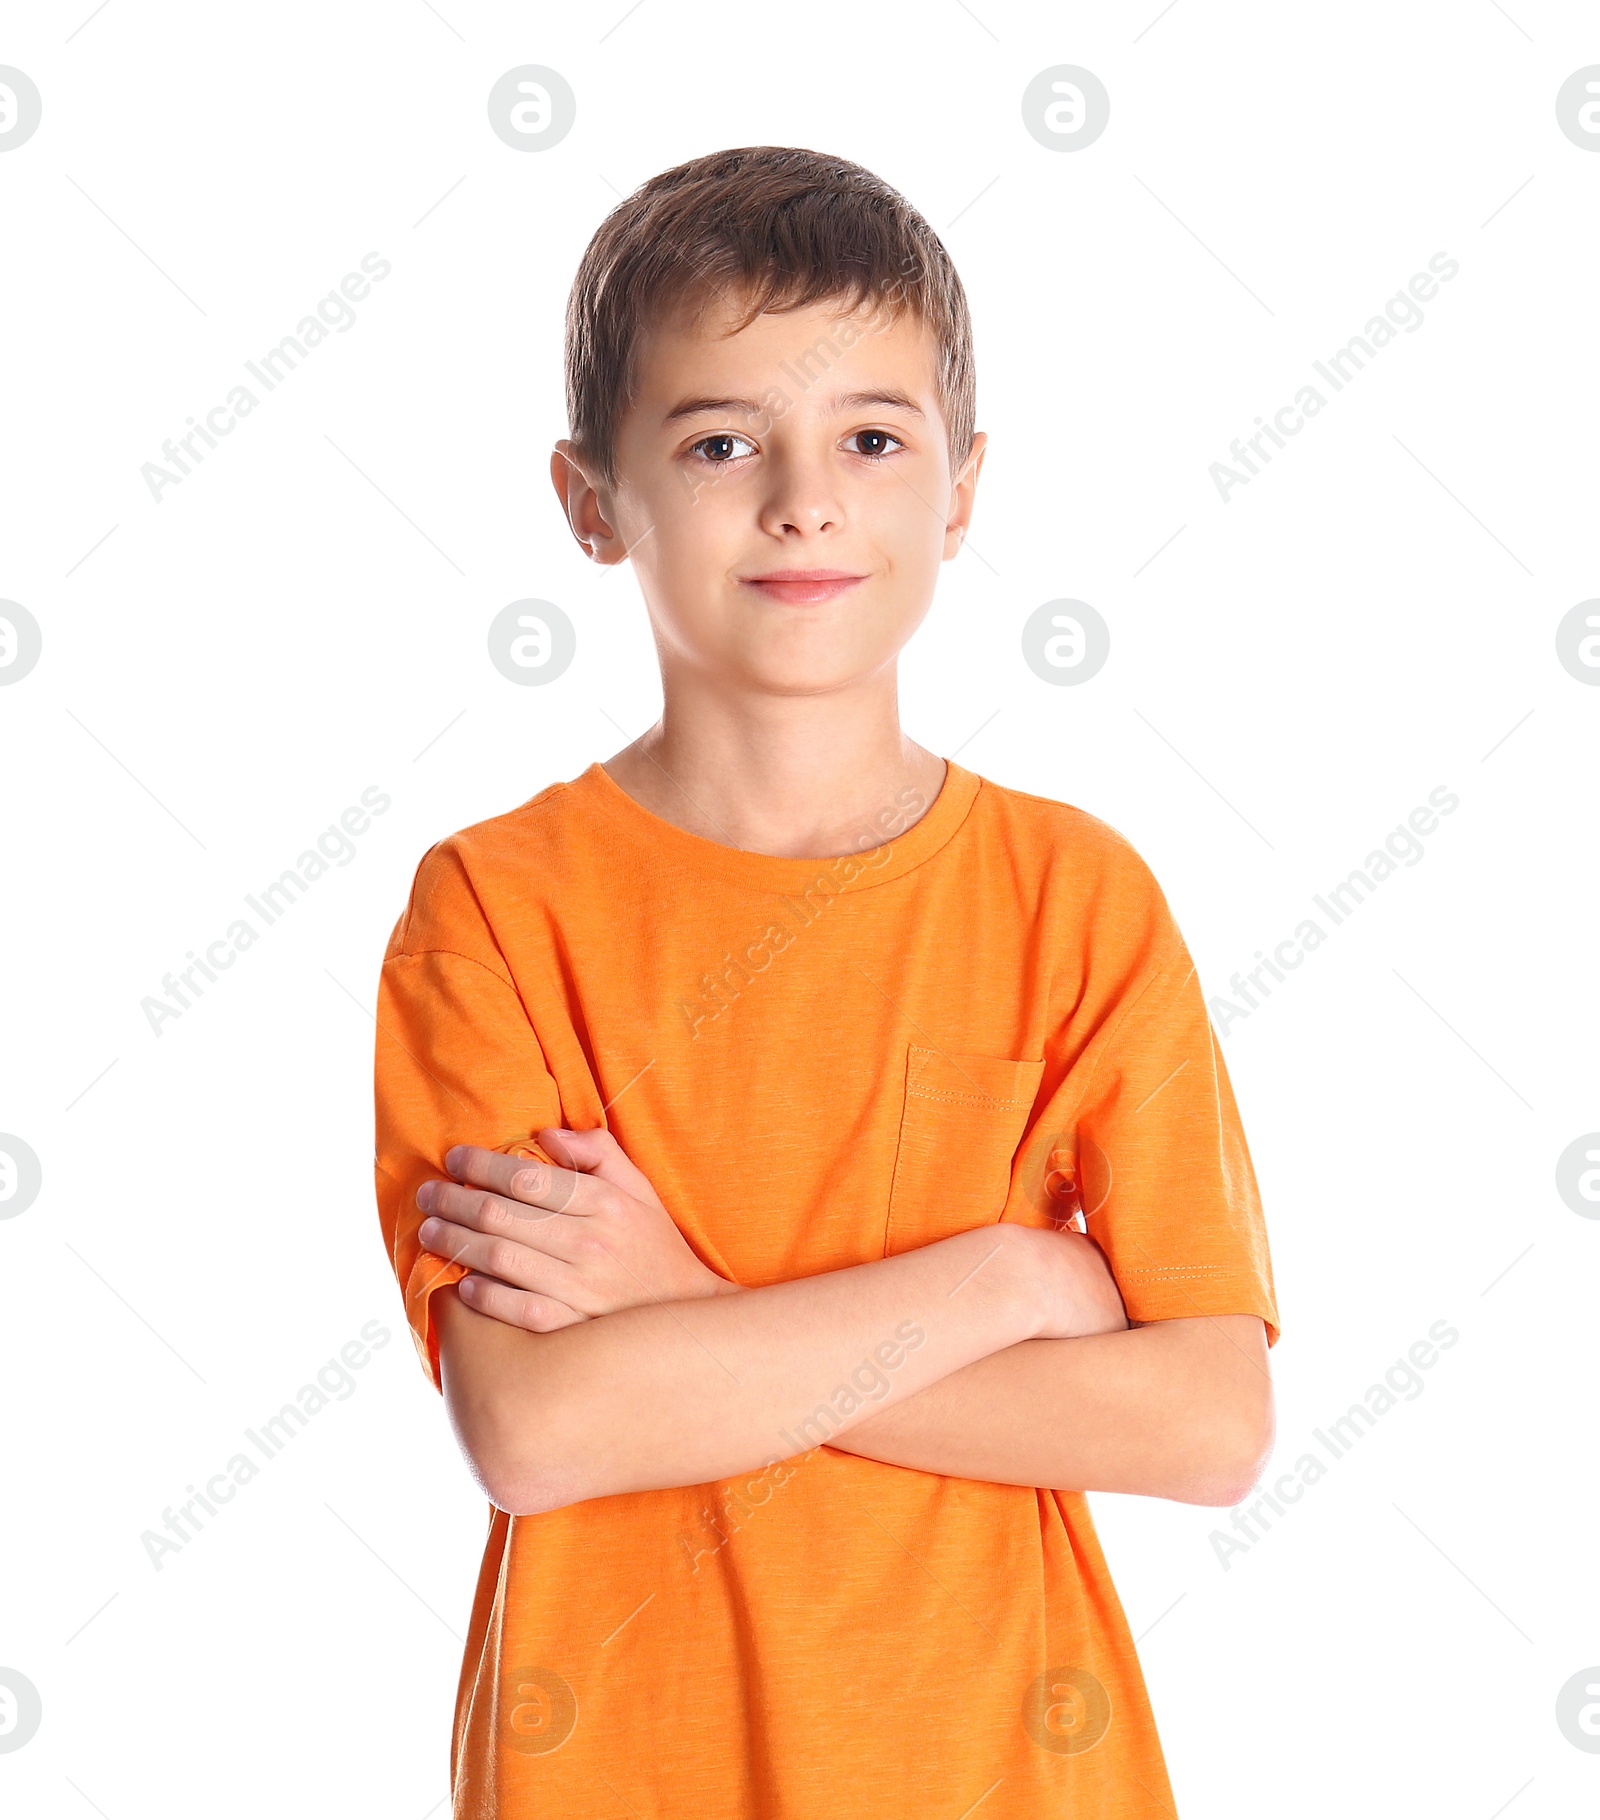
<point>516,1466</point>
<point>523,1495</point>
<point>526,1482</point>
<point>501,1480</point>
<point>537,1456</point>
<point>514,1426</point>
<point>1238,1456</point>
<point>500,1471</point>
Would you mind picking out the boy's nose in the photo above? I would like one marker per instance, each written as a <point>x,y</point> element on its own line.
<point>802,496</point>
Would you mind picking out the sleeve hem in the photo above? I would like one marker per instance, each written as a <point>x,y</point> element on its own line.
<point>1180,1297</point>
<point>429,1275</point>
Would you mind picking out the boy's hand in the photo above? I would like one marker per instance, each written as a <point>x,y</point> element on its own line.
<point>1080,1294</point>
<point>550,1246</point>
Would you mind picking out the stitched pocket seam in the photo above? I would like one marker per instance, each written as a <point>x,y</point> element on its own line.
<point>1009,1105</point>
<point>980,1102</point>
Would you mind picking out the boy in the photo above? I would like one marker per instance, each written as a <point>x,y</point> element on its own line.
<point>773,1064</point>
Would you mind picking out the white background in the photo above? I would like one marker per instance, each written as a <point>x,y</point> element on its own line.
<point>304,616</point>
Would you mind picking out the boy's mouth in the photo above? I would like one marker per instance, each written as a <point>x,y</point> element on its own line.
<point>803,587</point>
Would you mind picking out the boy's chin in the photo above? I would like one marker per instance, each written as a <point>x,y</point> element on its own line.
<point>776,651</point>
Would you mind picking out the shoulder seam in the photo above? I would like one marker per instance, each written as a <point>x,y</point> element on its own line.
<point>469,833</point>
<point>1056,802</point>
<point>539,800</point>
<point>412,954</point>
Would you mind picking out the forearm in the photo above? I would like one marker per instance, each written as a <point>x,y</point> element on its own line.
<point>1176,1409</point>
<point>678,1393</point>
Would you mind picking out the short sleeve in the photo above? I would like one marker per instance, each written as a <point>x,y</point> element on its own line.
<point>456,1061</point>
<point>1164,1173</point>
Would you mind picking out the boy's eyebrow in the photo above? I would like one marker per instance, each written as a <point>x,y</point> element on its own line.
<point>751,407</point>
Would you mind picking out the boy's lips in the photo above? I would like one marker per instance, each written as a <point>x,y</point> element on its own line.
<point>803,587</point>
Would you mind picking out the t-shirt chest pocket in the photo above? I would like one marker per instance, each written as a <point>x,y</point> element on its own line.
<point>963,1118</point>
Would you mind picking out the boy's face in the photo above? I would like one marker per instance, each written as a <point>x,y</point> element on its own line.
<point>810,444</point>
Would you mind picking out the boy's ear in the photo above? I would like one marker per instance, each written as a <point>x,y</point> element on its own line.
<point>963,495</point>
<point>584,502</point>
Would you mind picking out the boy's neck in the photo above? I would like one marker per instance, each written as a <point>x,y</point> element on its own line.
<point>809,788</point>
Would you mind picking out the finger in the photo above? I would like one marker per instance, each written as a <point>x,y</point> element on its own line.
<point>519,1266</point>
<point>597,1153</point>
<point>556,1234</point>
<point>516,1307</point>
<point>519,1178</point>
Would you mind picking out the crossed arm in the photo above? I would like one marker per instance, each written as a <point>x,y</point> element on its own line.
<point>589,1352</point>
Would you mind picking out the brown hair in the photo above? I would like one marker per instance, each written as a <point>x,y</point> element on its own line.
<point>778,227</point>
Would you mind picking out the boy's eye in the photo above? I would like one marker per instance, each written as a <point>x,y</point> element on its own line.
<point>879,438</point>
<point>719,448</point>
<point>725,446</point>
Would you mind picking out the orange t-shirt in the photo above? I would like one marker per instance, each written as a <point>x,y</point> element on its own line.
<point>991,1015</point>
